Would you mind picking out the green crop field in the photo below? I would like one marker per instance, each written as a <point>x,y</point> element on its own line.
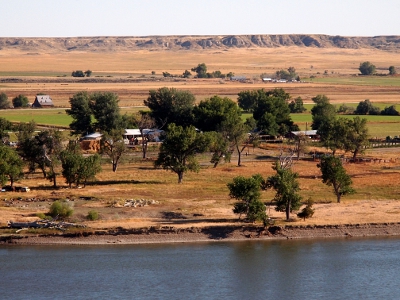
<point>379,126</point>
<point>51,117</point>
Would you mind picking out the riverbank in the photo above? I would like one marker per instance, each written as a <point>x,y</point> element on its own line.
<point>154,235</point>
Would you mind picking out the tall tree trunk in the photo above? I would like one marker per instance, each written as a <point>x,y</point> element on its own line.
<point>338,195</point>
<point>355,154</point>
<point>180,177</point>
<point>287,210</point>
<point>114,166</point>
<point>144,147</point>
<point>239,156</point>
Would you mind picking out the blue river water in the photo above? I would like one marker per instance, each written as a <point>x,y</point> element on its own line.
<point>289,269</point>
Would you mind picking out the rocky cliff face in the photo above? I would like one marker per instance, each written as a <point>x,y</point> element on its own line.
<point>109,44</point>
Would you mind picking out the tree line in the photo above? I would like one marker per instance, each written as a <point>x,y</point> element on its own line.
<point>215,125</point>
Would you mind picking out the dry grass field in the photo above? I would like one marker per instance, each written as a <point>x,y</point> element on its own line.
<point>135,68</point>
<point>203,197</point>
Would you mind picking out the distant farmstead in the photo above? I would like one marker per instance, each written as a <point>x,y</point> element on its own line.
<point>42,101</point>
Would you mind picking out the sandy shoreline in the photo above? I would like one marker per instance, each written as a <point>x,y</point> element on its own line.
<point>207,234</point>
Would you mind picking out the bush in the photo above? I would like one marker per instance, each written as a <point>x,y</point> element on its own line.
<point>92,215</point>
<point>60,209</point>
<point>308,211</point>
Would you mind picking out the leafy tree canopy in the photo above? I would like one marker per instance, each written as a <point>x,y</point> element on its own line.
<point>272,113</point>
<point>248,192</point>
<point>286,186</point>
<point>4,103</point>
<point>81,113</point>
<point>334,174</point>
<point>201,70</point>
<point>169,105</point>
<point>106,111</point>
<point>179,149</point>
<point>366,108</point>
<point>390,111</point>
<point>11,165</point>
<point>392,70</point>
<point>20,101</point>
<point>297,106</point>
<point>210,113</point>
<point>78,73</point>
<point>366,68</point>
<point>97,111</point>
<point>322,112</point>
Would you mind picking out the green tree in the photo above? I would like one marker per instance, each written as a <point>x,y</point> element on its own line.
<point>356,136</point>
<point>235,132</point>
<point>247,100</point>
<point>186,74</point>
<point>201,70</point>
<point>144,121</point>
<point>30,148</point>
<point>52,147</point>
<point>20,101</point>
<point>5,127</point>
<point>70,162</point>
<point>179,149</point>
<point>307,211</point>
<point>78,73</point>
<point>171,106</point>
<point>220,147</point>
<point>60,209</point>
<point>11,165</point>
<point>272,112</point>
<point>89,167</point>
<point>366,68</point>
<point>210,113</point>
<point>332,134</point>
<point>283,74</point>
<point>286,186</point>
<point>106,111</point>
<point>334,174</point>
<point>248,192</point>
<point>392,70</point>
<point>216,74</point>
<point>81,113</point>
<point>322,112</point>
<point>390,111</point>
<point>297,106</point>
<point>366,107</point>
<point>4,103</point>
<point>88,73</point>
<point>113,146</point>
<point>77,169</point>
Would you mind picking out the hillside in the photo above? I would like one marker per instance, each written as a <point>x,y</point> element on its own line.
<point>110,44</point>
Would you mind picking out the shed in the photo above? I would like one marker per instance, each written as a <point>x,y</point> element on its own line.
<point>42,101</point>
<point>93,136</point>
<point>312,134</point>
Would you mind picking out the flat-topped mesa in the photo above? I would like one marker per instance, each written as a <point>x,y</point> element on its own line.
<point>185,42</point>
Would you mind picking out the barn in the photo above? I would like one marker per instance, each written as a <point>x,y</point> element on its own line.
<point>42,101</point>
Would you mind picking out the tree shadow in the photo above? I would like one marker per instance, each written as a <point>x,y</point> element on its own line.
<point>109,182</point>
<point>218,232</point>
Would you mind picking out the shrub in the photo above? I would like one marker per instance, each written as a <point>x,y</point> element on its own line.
<point>92,215</point>
<point>60,209</point>
<point>308,211</point>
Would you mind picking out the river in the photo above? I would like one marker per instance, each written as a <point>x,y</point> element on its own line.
<point>285,269</point>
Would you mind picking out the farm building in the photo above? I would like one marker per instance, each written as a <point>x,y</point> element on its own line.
<point>42,101</point>
<point>312,134</point>
<point>238,78</point>
<point>96,136</point>
<point>133,136</point>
